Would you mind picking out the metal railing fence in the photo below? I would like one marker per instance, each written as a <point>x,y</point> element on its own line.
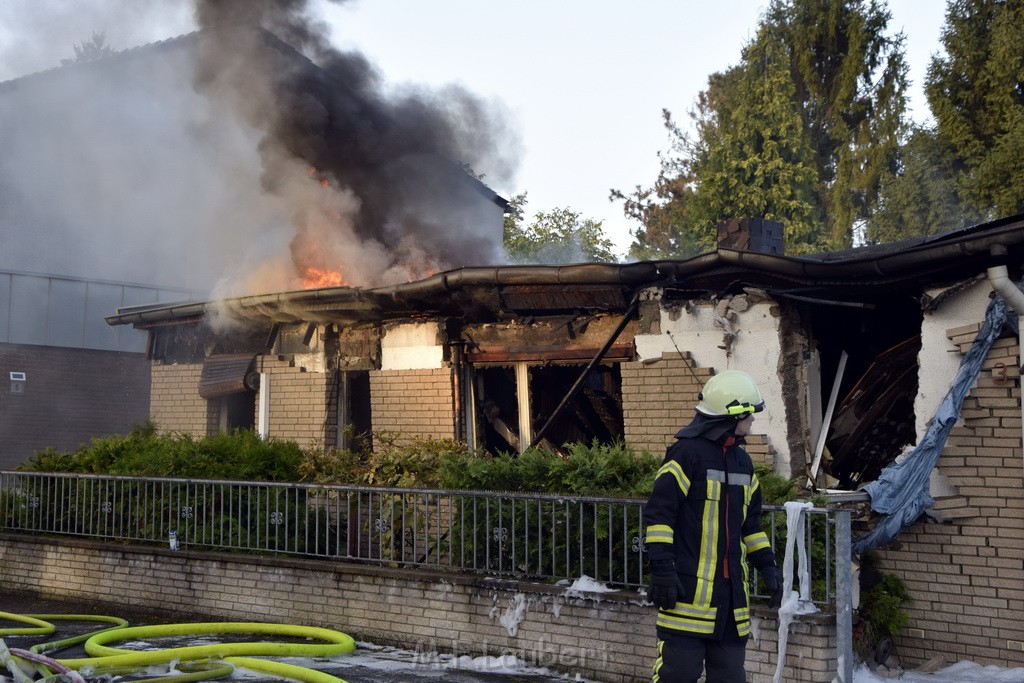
<point>515,535</point>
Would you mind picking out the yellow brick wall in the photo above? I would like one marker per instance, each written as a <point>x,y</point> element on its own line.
<point>658,398</point>
<point>607,637</point>
<point>413,403</point>
<point>175,403</point>
<point>966,578</point>
<point>300,399</point>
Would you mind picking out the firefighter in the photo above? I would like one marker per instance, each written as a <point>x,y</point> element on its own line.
<point>703,523</point>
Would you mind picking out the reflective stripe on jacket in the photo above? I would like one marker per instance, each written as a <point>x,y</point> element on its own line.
<point>705,514</point>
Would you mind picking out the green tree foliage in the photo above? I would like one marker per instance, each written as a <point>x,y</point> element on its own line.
<point>976,93</point>
<point>513,232</point>
<point>753,159</point>
<point>594,469</point>
<point>90,50</point>
<point>557,236</point>
<point>921,197</point>
<point>851,81</point>
<point>662,210</point>
<point>801,131</point>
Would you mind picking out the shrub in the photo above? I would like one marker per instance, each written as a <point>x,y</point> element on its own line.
<point>415,464</point>
<point>880,611</point>
<point>595,469</point>
<point>143,452</point>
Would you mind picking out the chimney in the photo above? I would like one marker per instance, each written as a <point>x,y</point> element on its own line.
<point>751,234</point>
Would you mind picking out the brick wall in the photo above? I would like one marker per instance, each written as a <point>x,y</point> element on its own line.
<point>966,577</point>
<point>607,637</point>
<point>300,400</point>
<point>71,396</point>
<point>413,403</point>
<point>175,403</point>
<point>658,397</point>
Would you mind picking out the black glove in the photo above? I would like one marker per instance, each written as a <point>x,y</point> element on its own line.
<point>664,591</point>
<point>773,581</point>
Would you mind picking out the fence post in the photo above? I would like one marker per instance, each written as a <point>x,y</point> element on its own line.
<point>844,596</point>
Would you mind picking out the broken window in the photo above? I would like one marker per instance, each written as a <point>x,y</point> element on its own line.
<point>876,419</point>
<point>527,385</point>
<point>229,382</point>
<point>873,417</point>
<point>593,412</point>
<point>503,393</point>
<point>355,430</point>
<point>497,409</point>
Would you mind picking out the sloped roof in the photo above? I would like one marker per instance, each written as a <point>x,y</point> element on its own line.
<point>497,292</point>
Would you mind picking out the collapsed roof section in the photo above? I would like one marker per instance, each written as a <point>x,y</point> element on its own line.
<point>509,292</point>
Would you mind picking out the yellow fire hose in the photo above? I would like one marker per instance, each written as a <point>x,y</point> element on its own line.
<point>107,659</point>
<point>37,627</point>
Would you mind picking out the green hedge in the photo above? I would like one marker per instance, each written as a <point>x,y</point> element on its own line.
<point>144,452</point>
<point>594,469</point>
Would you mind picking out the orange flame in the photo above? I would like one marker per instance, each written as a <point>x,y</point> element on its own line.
<point>315,278</point>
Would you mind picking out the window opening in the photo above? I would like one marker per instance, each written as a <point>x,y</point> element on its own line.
<point>238,411</point>
<point>874,419</point>
<point>355,430</point>
<point>497,410</point>
<point>594,413</point>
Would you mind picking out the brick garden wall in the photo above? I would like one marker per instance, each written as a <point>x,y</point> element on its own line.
<point>607,637</point>
<point>413,403</point>
<point>175,403</point>
<point>966,577</point>
<point>71,396</point>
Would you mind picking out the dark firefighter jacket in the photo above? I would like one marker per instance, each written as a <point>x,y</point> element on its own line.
<point>705,514</point>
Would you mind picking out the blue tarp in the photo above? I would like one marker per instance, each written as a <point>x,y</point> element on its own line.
<point>901,492</point>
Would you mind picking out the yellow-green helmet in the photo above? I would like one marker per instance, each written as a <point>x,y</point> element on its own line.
<point>730,393</point>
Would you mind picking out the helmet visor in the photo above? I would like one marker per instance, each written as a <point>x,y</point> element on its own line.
<point>736,408</point>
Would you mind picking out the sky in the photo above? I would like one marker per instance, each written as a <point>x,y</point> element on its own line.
<point>585,81</point>
<point>580,84</point>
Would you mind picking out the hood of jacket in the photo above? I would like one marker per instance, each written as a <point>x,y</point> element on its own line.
<point>715,429</point>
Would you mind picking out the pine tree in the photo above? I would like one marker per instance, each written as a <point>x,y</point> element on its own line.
<point>90,50</point>
<point>755,160</point>
<point>851,81</point>
<point>801,130</point>
<point>976,93</point>
<point>921,197</point>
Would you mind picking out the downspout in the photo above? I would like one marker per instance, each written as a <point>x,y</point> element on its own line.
<point>1000,280</point>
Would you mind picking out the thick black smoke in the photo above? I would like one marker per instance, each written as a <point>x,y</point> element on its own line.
<point>390,172</point>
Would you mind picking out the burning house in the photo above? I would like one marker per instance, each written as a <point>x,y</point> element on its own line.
<point>509,357</point>
<point>854,351</point>
<point>358,291</point>
<point>221,161</point>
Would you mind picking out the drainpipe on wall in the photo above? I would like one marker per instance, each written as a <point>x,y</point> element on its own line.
<point>263,407</point>
<point>1000,280</point>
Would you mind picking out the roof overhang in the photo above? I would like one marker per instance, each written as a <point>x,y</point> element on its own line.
<point>506,292</point>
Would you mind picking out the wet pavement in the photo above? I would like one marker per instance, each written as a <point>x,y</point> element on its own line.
<point>368,664</point>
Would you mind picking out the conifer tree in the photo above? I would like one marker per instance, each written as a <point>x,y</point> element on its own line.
<point>754,159</point>
<point>801,130</point>
<point>976,94</point>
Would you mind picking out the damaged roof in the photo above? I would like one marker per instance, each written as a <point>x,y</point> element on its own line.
<point>505,292</point>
